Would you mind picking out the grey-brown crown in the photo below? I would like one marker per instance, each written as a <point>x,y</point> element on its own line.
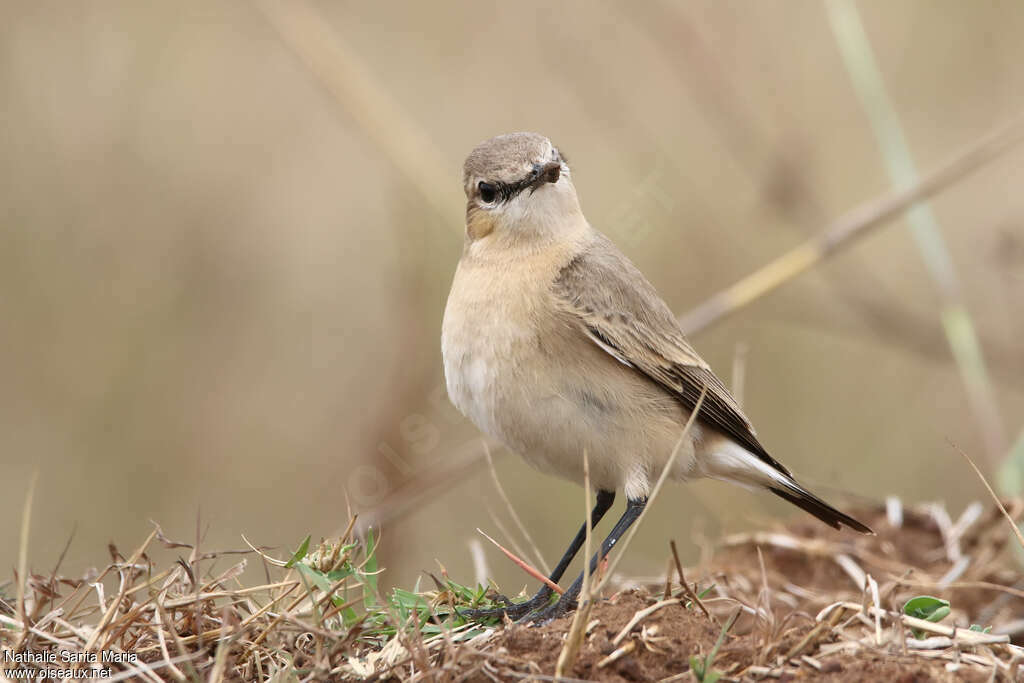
<point>507,158</point>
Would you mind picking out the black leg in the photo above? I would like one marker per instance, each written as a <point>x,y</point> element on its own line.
<point>604,502</point>
<point>568,599</point>
<point>514,611</point>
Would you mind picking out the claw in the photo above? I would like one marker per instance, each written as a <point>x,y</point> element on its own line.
<point>516,611</point>
<point>548,614</point>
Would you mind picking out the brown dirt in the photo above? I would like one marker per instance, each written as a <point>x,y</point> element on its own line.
<point>526,649</point>
<point>801,580</point>
<point>684,632</point>
<point>803,614</point>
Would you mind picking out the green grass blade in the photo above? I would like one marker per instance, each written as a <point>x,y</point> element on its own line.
<point>859,58</point>
<point>299,554</point>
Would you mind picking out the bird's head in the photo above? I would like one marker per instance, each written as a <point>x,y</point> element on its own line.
<point>518,187</point>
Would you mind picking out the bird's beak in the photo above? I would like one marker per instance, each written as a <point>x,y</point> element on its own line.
<point>545,173</point>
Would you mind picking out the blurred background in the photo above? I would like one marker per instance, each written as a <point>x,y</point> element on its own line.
<point>229,230</point>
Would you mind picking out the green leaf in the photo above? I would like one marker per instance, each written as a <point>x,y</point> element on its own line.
<point>927,607</point>
<point>702,670</point>
<point>299,554</point>
<point>408,599</point>
<point>349,616</point>
<point>697,667</point>
<point>978,628</point>
<point>338,574</point>
<point>318,578</point>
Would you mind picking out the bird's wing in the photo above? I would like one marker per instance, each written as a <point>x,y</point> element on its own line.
<point>620,311</point>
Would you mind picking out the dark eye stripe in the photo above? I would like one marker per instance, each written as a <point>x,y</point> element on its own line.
<point>506,191</point>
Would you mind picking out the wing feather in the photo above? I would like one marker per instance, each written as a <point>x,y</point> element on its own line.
<point>620,311</point>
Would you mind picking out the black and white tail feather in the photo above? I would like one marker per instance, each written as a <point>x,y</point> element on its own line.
<point>805,500</point>
<point>736,464</point>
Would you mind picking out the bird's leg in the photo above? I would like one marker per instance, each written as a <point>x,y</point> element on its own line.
<point>567,601</point>
<point>516,610</point>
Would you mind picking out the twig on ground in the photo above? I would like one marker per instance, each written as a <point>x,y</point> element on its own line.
<point>690,593</point>
<point>640,616</point>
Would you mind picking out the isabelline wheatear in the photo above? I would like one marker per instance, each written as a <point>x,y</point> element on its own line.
<point>556,345</point>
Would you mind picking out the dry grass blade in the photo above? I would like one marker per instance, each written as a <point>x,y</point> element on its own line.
<point>577,632</point>
<point>159,620</point>
<point>617,654</point>
<point>323,51</point>
<point>90,645</point>
<point>853,225</point>
<point>512,511</point>
<point>26,523</point>
<point>814,635</point>
<point>1002,508</point>
<point>689,592</point>
<point>503,530</point>
<point>640,616</point>
<point>522,564</point>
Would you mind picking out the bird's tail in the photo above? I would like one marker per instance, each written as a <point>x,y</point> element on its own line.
<point>804,499</point>
<point>732,462</point>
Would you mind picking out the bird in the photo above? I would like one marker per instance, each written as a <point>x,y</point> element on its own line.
<point>556,345</point>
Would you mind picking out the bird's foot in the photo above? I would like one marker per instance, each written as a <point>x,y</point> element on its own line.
<point>513,610</point>
<point>547,614</point>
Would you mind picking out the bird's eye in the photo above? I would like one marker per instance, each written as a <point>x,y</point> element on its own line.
<point>487,192</point>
